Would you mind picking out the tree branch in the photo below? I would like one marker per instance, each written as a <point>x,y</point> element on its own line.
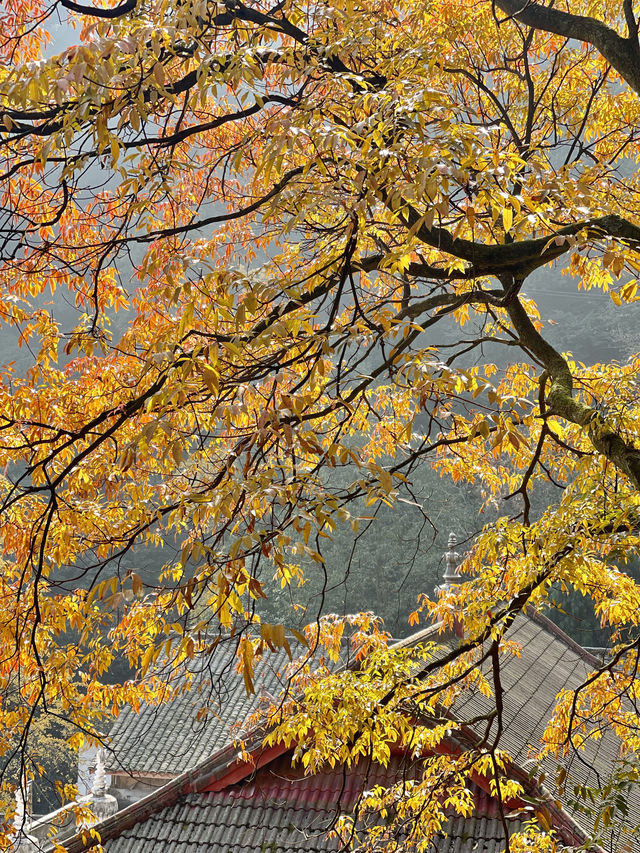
<point>116,12</point>
<point>521,257</point>
<point>621,53</point>
<point>560,400</point>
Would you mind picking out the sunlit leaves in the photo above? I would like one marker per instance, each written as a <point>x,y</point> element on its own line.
<point>267,223</point>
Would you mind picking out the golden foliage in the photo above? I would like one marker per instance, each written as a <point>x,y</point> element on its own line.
<point>281,206</point>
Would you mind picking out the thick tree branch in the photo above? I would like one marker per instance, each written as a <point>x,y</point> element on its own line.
<point>621,53</point>
<point>630,18</point>
<point>416,269</point>
<point>521,257</point>
<point>116,12</point>
<point>560,400</point>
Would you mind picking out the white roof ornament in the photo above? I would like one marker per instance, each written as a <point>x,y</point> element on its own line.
<point>102,805</point>
<point>99,787</point>
<point>452,559</point>
<point>22,841</point>
<point>21,809</point>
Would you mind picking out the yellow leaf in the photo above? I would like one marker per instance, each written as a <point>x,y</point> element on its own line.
<point>158,73</point>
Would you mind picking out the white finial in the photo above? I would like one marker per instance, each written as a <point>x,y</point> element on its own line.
<point>21,808</point>
<point>102,805</point>
<point>451,558</point>
<point>99,787</point>
<point>22,820</point>
<point>22,841</point>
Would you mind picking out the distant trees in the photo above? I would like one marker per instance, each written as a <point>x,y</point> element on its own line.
<point>47,759</point>
<point>307,196</point>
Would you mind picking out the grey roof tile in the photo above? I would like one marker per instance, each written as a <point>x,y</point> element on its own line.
<point>169,739</point>
<point>250,820</point>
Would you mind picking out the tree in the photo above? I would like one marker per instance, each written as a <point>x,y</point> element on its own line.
<point>48,759</point>
<point>318,221</point>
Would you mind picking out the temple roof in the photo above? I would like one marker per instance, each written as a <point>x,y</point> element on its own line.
<point>260,811</point>
<point>279,810</point>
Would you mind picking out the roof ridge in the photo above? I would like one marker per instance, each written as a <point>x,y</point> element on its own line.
<point>531,613</point>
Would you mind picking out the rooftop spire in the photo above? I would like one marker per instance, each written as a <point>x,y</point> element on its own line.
<point>452,560</point>
<point>452,577</point>
<point>22,841</point>
<point>99,787</point>
<point>102,805</point>
<point>20,820</point>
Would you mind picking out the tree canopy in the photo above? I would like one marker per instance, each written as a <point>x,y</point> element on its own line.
<point>293,243</point>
